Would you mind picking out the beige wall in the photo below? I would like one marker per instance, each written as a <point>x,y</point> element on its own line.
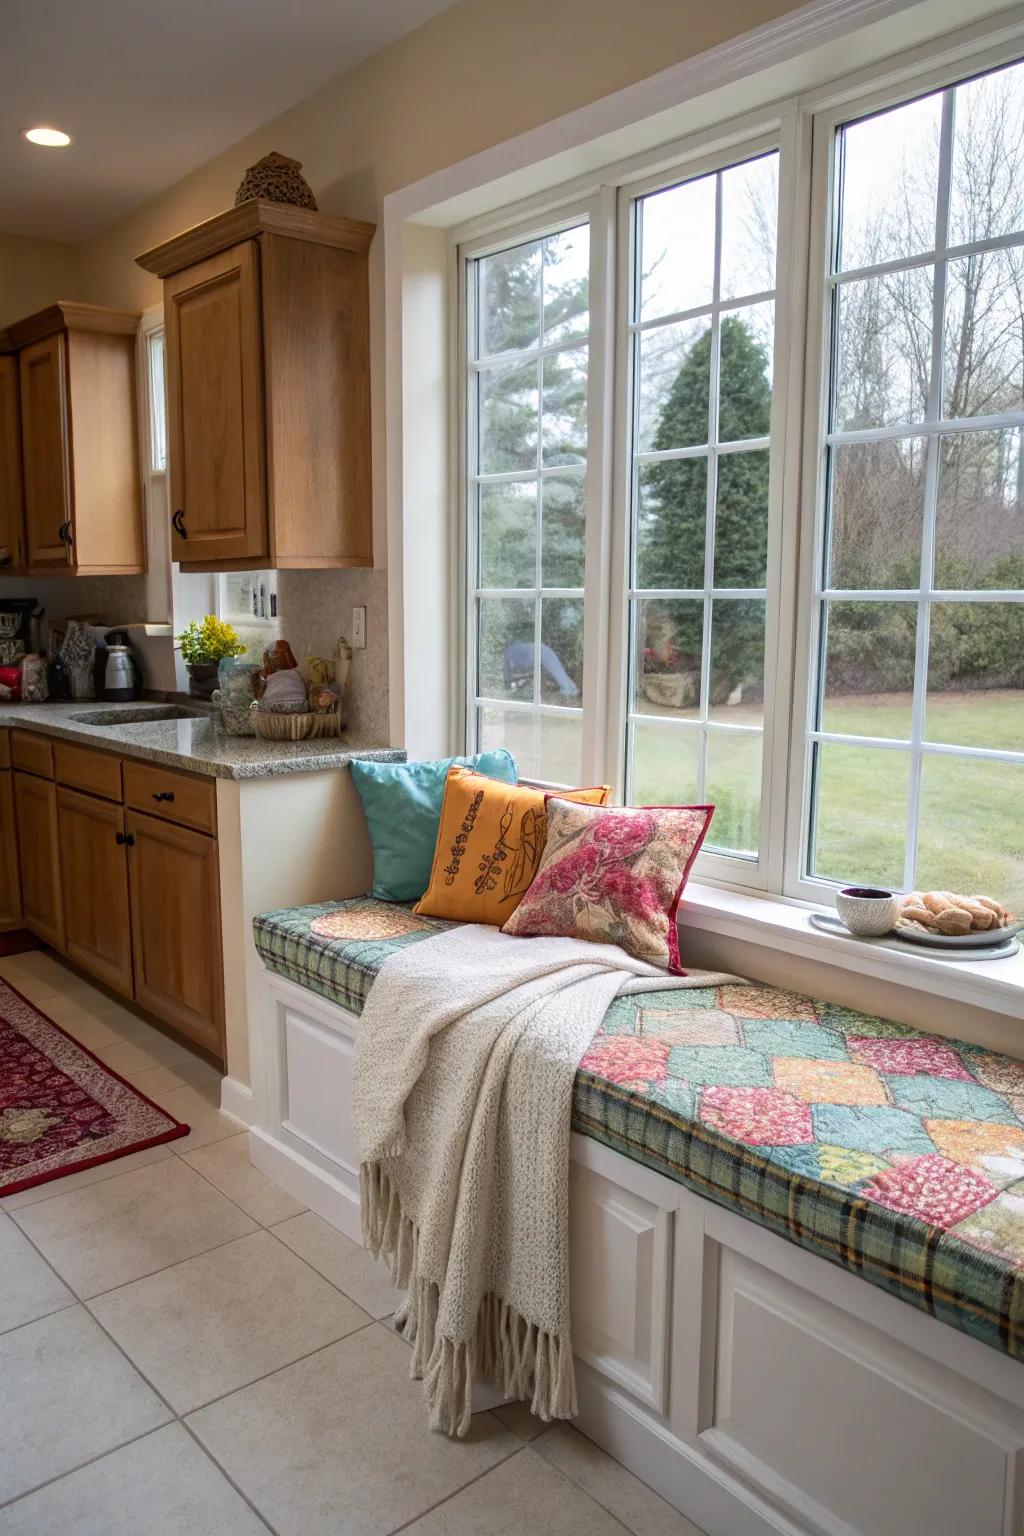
<point>474,76</point>
<point>35,273</point>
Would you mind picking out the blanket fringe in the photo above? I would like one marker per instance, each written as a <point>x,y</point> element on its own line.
<point>526,1361</point>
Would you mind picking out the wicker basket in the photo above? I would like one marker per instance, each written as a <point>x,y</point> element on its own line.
<point>296,725</point>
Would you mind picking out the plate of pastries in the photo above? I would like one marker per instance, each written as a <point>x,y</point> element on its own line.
<point>948,921</point>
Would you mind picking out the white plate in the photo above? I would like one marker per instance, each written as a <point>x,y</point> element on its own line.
<point>981,940</point>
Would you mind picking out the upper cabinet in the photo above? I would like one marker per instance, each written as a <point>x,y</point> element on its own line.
<point>268,389</point>
<point>76,397</point>
<point>12,511</point>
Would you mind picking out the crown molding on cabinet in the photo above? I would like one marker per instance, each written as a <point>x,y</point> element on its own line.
<point>66,315</point>
<point>252,218</point>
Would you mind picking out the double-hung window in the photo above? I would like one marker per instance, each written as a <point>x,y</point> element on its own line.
<point>833,657</point>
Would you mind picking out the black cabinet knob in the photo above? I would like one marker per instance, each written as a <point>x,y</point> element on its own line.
<point>164,794</point>
<point>124,839</point>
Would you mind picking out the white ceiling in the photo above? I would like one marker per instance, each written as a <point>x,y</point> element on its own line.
<point>150,89</point>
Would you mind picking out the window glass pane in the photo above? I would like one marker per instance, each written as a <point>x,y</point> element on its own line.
<point>987,193</point>
<point>736,686</point>
<point>516,729</point>
<point>669,644</point>
<point>561,649</point>
<point>157,404</point>
<point>883,350</point>
<point>976,676</point>
<point>671,522</point>
<point>677,249</point>
<point>860,814</point>
<point>983,335</point>
<point>510,299</point>
<point>563,501</point>
<point>560,748</point>
<point>877,513</point>
<point>506,645</point>
<point>979,534</point>
<point>745,381</point>
<point>869,669</point>
<point>508,534</point>
<point>666,765</point>
<point>674,384</point>
<point>750,220</point>
<point>971,836</point>
<point>890,177</point>
<point>565,407</point>
<point>734,789</point>
<point>741,519</point>
<point>509,398</point>
<point>566,285</point>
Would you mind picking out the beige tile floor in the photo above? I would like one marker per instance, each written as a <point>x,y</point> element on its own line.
<point>184,1348</point>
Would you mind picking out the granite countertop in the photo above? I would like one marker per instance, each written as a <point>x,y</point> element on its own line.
<point>193,744</point>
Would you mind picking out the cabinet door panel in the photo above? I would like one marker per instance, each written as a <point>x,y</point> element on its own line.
<point>215,407</point>
<point>176,937</point>
<point>35,811</point>
<point>10,886</point>
<point>12,511</point>
<point>45,457</point>
<point>94,879</point>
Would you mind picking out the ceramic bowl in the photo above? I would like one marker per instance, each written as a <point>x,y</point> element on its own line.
<point>866,911</point>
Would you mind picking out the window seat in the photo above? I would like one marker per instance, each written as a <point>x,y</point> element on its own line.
<point>896,1155</point>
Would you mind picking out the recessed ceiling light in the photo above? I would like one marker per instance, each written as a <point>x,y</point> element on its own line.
<point>50,138</point>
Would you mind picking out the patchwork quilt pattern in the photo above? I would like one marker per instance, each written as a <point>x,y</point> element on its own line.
<point>893,1153</point>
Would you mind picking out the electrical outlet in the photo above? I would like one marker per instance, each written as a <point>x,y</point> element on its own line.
<point>358,628</point>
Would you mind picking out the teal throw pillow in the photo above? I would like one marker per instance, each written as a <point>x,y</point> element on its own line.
<point>402,805</point>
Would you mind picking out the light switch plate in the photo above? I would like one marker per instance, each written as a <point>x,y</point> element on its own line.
<point>358,628</point>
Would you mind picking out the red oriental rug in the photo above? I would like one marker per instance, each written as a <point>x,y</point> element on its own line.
<point>61,1109</point>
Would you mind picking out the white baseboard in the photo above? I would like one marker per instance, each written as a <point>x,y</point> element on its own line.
<point>304,1180</point>
<point>236,1100</point>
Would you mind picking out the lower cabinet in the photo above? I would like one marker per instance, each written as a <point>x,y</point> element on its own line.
<point>175,925</point>
<point>10,884</point>
<point>94,879</point>
<point>35,811</point>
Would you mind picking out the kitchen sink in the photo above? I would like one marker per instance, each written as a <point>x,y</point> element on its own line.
<point>139,714</point>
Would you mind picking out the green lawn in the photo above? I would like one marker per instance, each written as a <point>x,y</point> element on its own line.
<point>972,812</point>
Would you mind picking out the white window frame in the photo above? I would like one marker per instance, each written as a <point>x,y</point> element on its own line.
<point>802,129</point>
<point>843,106</point>
<point>152,394</point>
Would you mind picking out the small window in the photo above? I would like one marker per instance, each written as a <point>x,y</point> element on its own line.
<point>157,402</point>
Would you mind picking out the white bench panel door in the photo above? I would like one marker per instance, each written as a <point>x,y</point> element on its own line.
<point>319,1094</point>
<point>620,1255</point>
<point>851,1430</point>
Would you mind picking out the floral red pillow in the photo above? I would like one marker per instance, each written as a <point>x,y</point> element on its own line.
<point>614,875</point>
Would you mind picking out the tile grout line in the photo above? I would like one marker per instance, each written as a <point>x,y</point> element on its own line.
<point>395,1529</point>
<point>89,1461</point>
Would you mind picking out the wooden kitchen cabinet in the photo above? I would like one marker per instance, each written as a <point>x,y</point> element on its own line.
<point>94,883</point>
<point>79,441</point>
<point>176,932</point>
<point>12,505</point>
<point>268,389</point>
<point>35,813</point>
<point>10,884</point>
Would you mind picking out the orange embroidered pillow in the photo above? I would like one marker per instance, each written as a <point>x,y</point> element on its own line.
<point>489,846</point>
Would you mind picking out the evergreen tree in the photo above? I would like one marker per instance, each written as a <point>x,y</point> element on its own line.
<point>673,513</point>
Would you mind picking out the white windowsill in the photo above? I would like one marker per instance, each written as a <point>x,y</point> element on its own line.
<point>782,924</point>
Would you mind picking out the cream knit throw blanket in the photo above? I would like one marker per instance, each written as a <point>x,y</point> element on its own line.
<point>462,1094</point>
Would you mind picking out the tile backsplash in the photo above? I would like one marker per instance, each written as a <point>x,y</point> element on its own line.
<point>315,609</point>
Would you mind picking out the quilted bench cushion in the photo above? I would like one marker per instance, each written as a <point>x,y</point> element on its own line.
<point>896,1154</point>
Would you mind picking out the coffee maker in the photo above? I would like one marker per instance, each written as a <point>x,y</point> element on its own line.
<point>121,672</point>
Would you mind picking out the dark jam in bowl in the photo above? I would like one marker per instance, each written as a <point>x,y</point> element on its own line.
<point>865,892</point>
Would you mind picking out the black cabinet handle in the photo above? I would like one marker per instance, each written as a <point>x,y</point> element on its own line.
<point>164,794</point>
<point>64,533</point>
<point>178,523</point>
<point>124,839</point>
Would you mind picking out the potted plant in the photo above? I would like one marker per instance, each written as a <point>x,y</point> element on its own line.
<point>203,644</point>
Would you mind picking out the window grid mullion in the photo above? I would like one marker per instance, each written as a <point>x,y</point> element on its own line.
<point>931,487</point>
<point>538,603</point>
<point>714,391</point>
